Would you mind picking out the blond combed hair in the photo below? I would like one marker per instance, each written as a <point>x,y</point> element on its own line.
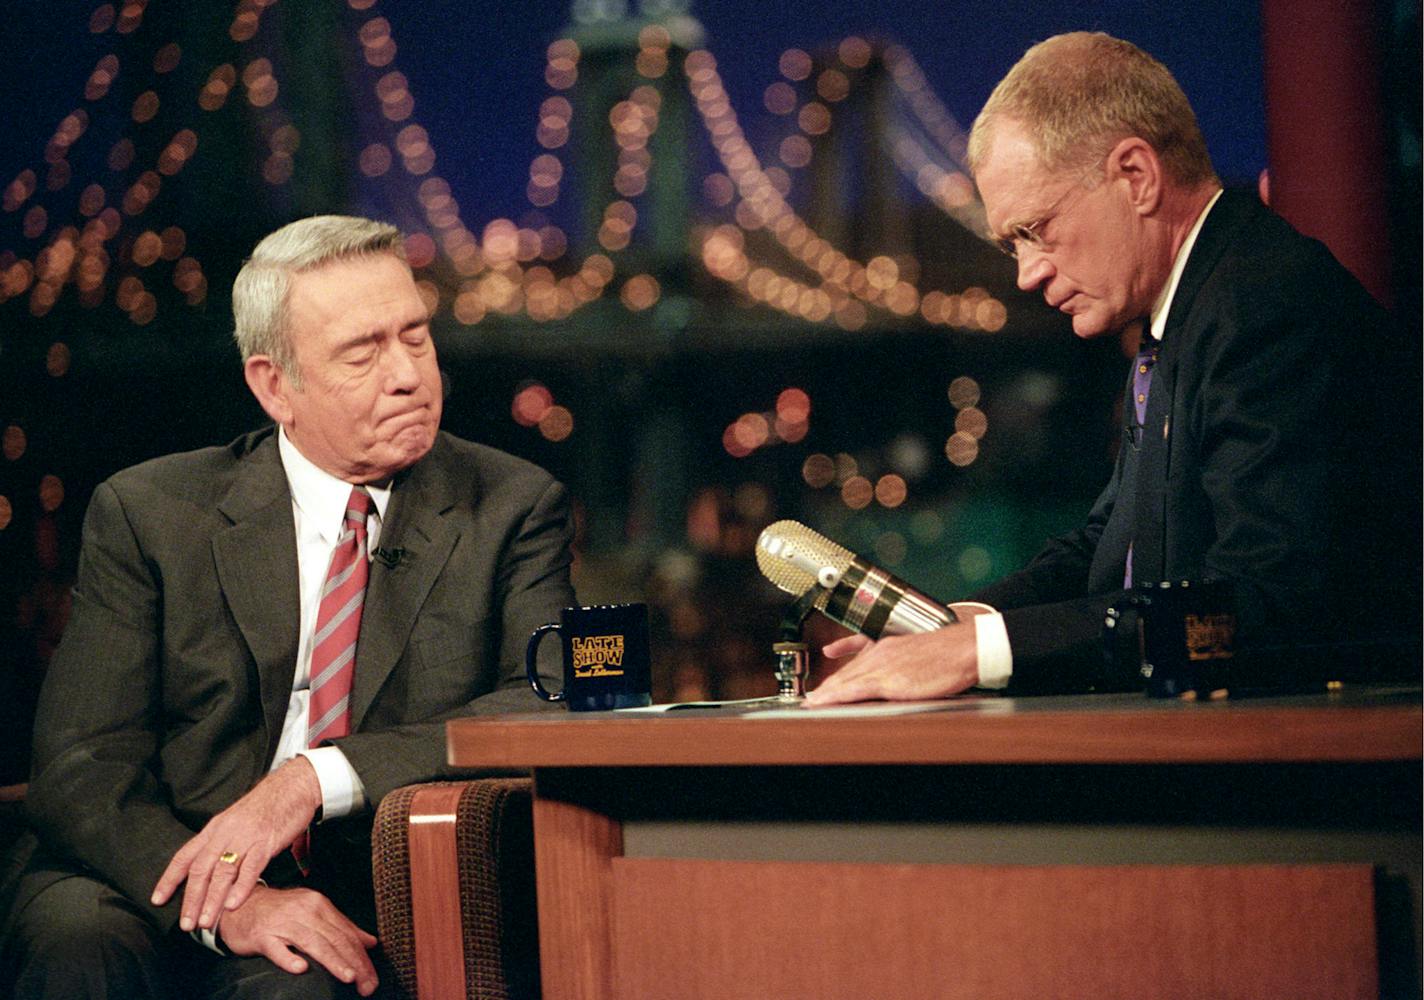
<point>1079,94</point>
<point>263,286</point>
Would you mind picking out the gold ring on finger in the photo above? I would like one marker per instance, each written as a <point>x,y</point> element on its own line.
<point>228,857</point>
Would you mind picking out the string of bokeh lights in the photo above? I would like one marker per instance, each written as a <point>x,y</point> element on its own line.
<point>107,238</point>
<point>937,167</point>
<point>845,286</point>
<point>507,269</point>
<point>74,248</point>
<point>879,282</point>
<point>789,422</point>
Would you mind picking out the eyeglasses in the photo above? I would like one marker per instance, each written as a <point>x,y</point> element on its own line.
<point>1029,234</point>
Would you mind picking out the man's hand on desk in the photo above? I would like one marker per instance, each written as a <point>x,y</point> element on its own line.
<point>904,667</point>
<point>251,832</point>
<point>278,923</point>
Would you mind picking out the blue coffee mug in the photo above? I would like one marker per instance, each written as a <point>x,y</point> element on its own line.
<point>606,657</point>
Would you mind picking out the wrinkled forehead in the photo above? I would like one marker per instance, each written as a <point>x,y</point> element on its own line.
<point>350,292</point>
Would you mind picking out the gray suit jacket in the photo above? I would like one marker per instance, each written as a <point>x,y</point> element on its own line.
<point>166,698</point>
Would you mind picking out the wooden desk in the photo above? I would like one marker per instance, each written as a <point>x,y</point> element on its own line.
<point>1098,847</point>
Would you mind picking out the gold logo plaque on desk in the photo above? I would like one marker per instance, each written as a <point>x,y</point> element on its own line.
<point>598,655</point>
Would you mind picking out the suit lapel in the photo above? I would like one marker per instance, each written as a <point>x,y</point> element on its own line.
<point>420,539</point>
<point>1218,232</point>
<point>1150,513</point>
<point>256,561</point>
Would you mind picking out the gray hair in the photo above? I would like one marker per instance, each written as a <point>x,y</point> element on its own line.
<point>262,287</point>
<point>1079,94</point>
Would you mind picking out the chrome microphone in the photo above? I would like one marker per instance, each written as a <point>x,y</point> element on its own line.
<point>862,597</point>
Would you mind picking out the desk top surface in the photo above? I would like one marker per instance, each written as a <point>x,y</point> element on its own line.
<point>1349,726</point>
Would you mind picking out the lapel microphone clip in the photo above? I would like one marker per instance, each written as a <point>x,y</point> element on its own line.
<point>389,558</point>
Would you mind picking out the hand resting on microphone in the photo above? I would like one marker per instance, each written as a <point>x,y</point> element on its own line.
<point>934,664</point>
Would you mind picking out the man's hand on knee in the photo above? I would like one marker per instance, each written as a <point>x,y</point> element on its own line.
<point>280,923</point>
<point>222,863</point>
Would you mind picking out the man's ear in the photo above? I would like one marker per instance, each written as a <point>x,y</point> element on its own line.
<point>1134,161</point>
<point>270,385</point>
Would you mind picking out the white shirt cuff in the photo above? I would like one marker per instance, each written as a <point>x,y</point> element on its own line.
<point>209,939</point>
<point>342,792</point>
<point>991,644</point>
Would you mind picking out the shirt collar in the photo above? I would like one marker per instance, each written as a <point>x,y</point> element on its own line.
<point>1163,304</point>
<point>320,496</point>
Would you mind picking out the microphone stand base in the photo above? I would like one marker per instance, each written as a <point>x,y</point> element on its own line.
<point>792,670</point>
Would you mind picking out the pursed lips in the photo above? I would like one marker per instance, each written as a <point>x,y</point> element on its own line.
<point>417,414</point>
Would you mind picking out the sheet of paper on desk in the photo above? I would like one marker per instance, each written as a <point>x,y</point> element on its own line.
<point>769,708</point>
<point>864,710</point>
<point>681,705</point>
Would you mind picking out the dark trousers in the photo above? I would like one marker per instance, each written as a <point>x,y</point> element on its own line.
<point>79,938</point>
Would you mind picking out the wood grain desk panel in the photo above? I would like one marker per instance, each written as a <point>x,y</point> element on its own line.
<point>574,848</point>
<point>754,930</point>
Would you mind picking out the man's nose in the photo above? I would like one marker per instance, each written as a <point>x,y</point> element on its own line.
<point>402,373</point>
<point>1034,268</point>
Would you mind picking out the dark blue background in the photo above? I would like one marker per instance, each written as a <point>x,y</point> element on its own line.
<point>476,68</point>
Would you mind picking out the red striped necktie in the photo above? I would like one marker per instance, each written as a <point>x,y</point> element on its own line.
<point>338,623</point>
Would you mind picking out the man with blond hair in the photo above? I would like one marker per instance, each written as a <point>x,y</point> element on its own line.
<point>1270,421</point>
<point>271,634</point>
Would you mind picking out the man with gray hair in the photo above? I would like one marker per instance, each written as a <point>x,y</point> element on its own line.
<point>1270,425</point>
<point>272,634</point>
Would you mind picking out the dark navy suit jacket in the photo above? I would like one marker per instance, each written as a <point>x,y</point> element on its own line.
<point>1280,452</point>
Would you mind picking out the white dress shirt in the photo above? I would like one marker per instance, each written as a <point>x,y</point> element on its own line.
<point>991,638</point>
<point>319,509</point>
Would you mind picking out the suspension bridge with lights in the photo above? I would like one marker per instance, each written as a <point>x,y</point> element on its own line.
<point>635,104</point>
